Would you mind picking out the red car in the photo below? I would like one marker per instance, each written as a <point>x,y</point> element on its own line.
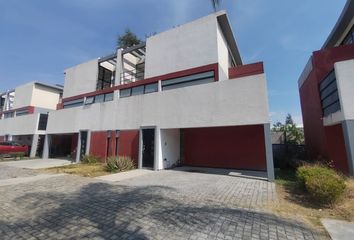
<point>10,148</point>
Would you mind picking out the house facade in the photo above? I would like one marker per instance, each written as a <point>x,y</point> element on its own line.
<point>326,92</point>
<point>182,97</point>
<point>24,114</point>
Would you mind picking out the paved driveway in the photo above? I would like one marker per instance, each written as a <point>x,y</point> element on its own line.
<point>36,163</point>
<point>160,205</point>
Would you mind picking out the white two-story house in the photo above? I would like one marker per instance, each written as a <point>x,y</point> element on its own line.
<point>182,97</point>
<point>24,114</point>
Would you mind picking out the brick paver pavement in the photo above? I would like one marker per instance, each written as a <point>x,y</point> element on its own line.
<point>160,205</point>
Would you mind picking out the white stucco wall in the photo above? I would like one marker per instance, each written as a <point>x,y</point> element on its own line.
<point>22,125</point>
<point>241,101</point>
<point>223,55</point>
<point>23,95</point>
<point>81,78</point>
<point>345,82</point>
<point>44,97</point>
<point>187,46</point>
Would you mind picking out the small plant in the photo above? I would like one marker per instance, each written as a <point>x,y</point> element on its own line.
<point>19,155</point>
<point>119,164</point>
<point>323,184</point>
<point>90,159</point>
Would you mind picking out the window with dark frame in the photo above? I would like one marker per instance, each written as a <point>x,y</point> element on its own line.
<point>105,78</point>
<point>329,94</point>
<point>22,112</point>
<point>143,89</point>
<point>108,97</point>
<point>73,103</point>
<point>43,120</point>
<point>186,81</point>
<point>99,98</point>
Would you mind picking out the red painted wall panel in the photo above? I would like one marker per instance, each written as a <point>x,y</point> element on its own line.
<point>336,147</point>
<point>98,144</point>
<point>315,137</point>
<point>129,144</point>
<point>246,70</point>
<point>240,147</point>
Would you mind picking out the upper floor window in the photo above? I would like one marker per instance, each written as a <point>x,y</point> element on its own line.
<point>349,39</point>
<point>9,115</point>
<point>43,119</point>
<point>73,103</point>
<point>329,95</point>
<point>194,79</point>
<point>143,89</point>
<point>99,98</point>
<point>105,78</point>
<point>22,112</point>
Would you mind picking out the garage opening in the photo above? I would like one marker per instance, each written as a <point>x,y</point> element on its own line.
<point>148,153</point>
<point>63,146</point>
<point>237,147</point>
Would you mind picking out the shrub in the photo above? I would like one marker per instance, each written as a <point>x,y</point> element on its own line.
<point>119,164</point>
<point>90,159</point>
<point>19,155</point>
<point>307,171</point>
<point>322,183</point>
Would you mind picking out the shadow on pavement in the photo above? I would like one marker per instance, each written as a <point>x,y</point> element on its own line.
<point>104,211</point>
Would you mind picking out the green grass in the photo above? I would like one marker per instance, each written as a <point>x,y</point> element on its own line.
<point>285,177</point>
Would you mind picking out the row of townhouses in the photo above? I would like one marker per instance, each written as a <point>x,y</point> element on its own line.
<point>182,97</point>
<point>185,97</point>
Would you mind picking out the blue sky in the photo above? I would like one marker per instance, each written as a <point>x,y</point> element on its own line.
<point>39,39</point>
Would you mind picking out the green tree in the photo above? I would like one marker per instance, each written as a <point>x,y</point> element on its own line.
<point>127,39</point>
<point>292,133</point>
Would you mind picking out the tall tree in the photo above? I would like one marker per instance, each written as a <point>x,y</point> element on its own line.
<point>292,134</point>
<point>216,4</point>
<point>127,39</point>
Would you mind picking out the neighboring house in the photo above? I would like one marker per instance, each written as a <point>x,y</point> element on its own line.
<point>326,91</point>
<point>24,113</point>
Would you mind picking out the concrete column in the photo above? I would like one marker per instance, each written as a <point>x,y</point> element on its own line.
<point>158,162</point>
<point>159,86</point>
<point>119,66</point>
<point>34,145</point>
<point>348,133</point>
<point>46,146</point>
<point>140,158</point>
<point>88,142</point>
<point>77,159</point>
<point>269,151</point>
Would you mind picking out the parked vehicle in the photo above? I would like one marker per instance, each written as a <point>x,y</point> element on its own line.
<point>12,148</point>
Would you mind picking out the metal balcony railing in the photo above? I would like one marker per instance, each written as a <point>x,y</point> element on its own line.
<point>131,76</point>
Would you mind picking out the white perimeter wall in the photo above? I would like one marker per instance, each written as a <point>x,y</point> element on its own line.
<point>187,46</point>
<point>241,101</point>
<point>81,79</point>
<point>22,125</point>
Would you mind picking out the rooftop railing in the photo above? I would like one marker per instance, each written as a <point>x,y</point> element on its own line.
<point>129,76</point>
